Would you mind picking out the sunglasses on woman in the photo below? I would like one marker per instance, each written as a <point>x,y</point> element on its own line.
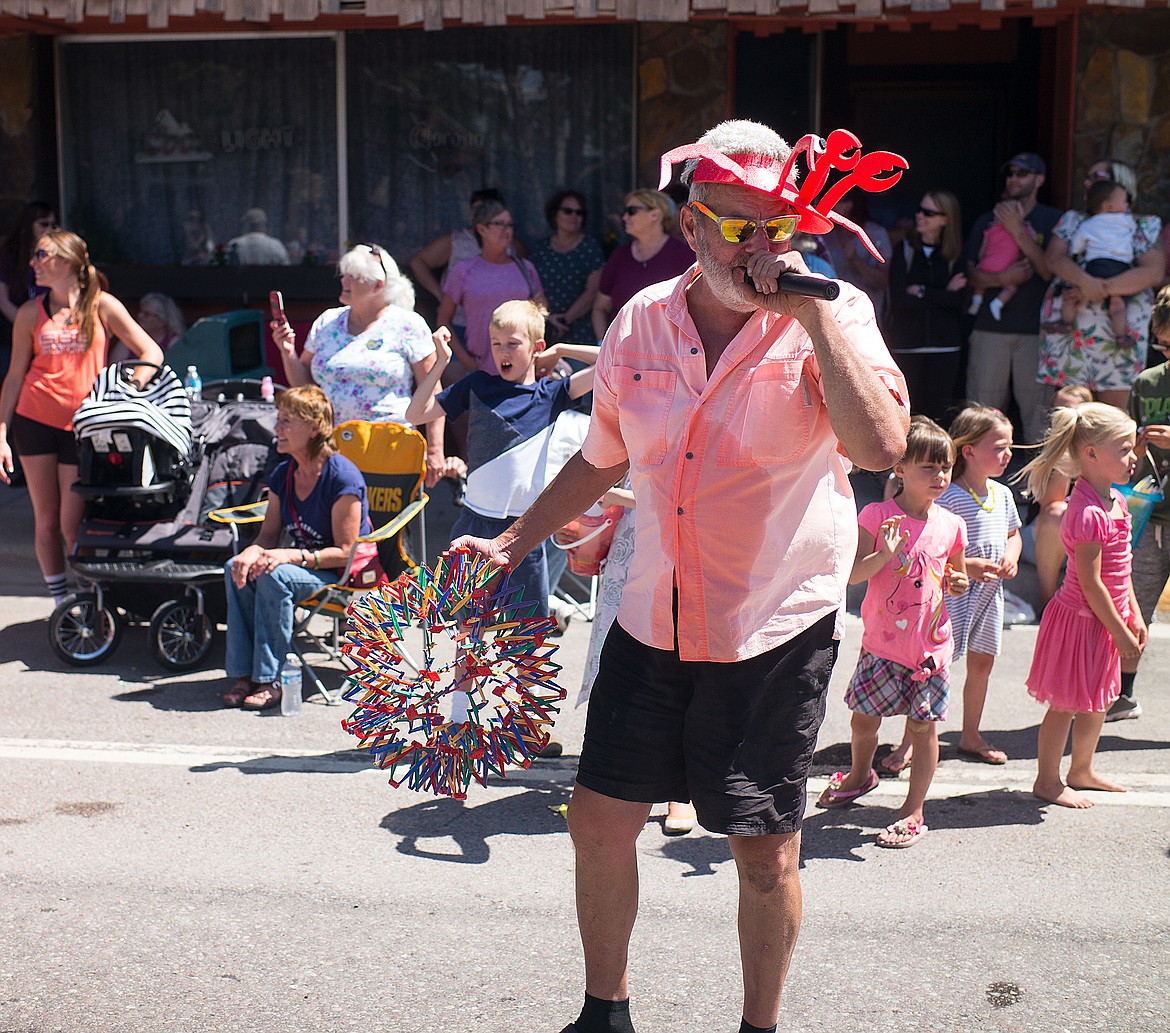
<point>41,254</point>
<point>930,213</point>
<point>737,231</point>
<point>571,211</point>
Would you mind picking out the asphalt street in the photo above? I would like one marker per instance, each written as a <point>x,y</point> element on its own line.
<point>168,865</point>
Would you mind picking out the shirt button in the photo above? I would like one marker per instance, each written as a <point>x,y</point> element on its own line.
<point>680,510</point>
<point>637,376</point>
<point>694,351</point>
<point>690,455</point>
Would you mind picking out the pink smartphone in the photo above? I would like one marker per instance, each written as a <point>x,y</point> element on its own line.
<point>276,304</point>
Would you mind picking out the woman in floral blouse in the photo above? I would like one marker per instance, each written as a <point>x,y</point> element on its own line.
<point>369,354</point>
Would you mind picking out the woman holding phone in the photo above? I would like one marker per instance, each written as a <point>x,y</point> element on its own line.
<point>369,354</point>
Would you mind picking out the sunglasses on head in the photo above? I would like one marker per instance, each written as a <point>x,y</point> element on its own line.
<point>377,253</point>
<point>930,213</point>
<point>737,231</point>
<point>571,211</point>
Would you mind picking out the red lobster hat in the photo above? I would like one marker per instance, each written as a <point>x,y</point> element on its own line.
<point>874,172</point>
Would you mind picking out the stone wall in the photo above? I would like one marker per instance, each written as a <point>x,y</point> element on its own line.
<point>1123,99</point>
<point>682,88</point>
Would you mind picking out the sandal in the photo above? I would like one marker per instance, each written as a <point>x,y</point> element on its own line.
<point>264,698</point>
<point>1057,326</point>
<point>1126,340</point>
<point>902,834</point>
<point>891,764</point>
<point>241,689</point>
<point>835,796</point>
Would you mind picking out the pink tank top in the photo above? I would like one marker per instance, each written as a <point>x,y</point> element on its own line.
<point>62,370</point>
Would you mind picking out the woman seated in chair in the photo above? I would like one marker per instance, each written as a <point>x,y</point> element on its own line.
<point>317,499</point>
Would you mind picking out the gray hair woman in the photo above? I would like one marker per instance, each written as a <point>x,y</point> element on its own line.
<point>370,354</point>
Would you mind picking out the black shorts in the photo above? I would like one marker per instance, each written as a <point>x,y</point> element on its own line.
<point>735,738</point>
<point>30,438</point>
<point>1103,268</point>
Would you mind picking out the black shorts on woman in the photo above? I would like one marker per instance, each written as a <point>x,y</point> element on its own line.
<point>32,438</point>
<point>736,739</point>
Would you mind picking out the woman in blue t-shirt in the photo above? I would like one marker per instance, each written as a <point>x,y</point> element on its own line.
<point>317,499</point>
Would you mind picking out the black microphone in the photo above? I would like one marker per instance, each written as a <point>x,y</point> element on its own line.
<point>804,286</point>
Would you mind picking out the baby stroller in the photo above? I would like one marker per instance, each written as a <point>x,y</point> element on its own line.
<point>151,466</point>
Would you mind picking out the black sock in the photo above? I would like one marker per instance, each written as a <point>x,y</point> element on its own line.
<point>598,1016</point>
<point>1127,678</point>
<point>747,1027</point>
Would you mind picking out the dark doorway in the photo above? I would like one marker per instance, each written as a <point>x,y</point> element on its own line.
<point>955,103</point>
<point>775,81</point>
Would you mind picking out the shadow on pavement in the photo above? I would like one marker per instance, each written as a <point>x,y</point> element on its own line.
<point>702,853</point>
<point>531,813</point>
<point>339,762</point>
<point>840,833</point>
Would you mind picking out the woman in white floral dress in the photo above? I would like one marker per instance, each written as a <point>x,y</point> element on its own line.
<point>1091,354</point>
<point>369,354</point>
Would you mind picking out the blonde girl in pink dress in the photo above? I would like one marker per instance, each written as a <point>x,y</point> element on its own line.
<point>1093,620</point>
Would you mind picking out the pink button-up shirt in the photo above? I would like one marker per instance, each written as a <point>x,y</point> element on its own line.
<point>742,496</point>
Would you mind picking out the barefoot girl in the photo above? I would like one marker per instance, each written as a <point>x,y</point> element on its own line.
<point>983,448</point>
<point>908,549</point>
<point>1093,620</point>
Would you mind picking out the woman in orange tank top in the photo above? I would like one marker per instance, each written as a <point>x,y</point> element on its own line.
<point>59,346</point>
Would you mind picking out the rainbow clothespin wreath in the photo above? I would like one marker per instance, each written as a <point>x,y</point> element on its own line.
<point>841,151</point>
<point>501,661</point>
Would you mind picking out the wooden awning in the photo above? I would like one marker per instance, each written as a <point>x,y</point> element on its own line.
<point>101,15</point>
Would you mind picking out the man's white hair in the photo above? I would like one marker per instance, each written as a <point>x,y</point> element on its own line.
<point>739,136</point>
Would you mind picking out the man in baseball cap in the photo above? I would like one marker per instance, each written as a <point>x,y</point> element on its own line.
<point>1027,161</point>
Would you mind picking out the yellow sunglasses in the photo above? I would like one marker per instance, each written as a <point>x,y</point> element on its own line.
<point>737,231</point>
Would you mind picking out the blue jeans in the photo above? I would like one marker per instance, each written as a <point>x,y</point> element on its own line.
<point>260,618</point>
<point>531,573</point>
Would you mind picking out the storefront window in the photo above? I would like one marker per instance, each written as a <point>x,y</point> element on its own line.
<point>202,152</point>
<point>433,116</point>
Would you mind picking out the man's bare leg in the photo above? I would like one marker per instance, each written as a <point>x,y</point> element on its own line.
<point>604,833</point>
<point>770,906</point>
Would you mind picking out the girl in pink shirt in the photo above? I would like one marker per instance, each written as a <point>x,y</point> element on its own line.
<point>909,550</point>
<point>1094,619</point>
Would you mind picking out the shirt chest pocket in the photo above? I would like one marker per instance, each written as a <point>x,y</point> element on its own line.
<point>644,399</point>
<point>770,415</point>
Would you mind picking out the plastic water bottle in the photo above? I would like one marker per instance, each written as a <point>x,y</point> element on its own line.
<point>267,390</point>
<point>193,382</point>
<point>290,686</point>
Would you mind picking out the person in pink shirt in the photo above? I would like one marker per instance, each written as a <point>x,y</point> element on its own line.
<point>911,551</point>
<point>737,410</point>
<point>1094,620</point>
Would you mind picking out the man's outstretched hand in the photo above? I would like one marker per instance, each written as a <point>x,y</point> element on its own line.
<point>486,547</point>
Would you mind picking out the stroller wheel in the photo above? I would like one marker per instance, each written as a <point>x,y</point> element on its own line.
<point>82,633</point>
<point>180,636</point>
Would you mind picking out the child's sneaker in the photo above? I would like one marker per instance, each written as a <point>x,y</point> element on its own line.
<point>976,305</point>
<point>995,307</point>
<point>1124,708</point>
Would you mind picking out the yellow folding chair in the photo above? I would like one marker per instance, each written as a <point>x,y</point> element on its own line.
<point>392,459</point>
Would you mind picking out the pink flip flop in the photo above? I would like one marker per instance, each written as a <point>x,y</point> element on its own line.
<point>835,796</point>
<point>907,827</point>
